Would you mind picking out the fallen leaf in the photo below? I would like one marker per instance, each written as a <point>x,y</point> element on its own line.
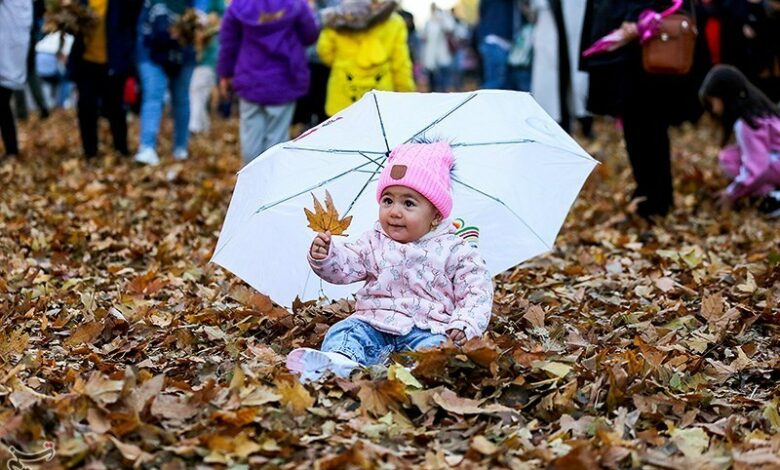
<point>257,395</point>
<point>483,446</point>
<point>103,390</point>
<point>379,398</point>
<point>294,395</point>
<point>173,407</point>
<point>85,333</point>
<point>557,369</point>
<point>692,442</point>
<point>403,375</point>
<point>665,284</point>
<point>448,400</point>
<point>535,316</point>
<point>712,306</point>
<point>131,452</point>
<point>772,415</point>
<point>140,395</point>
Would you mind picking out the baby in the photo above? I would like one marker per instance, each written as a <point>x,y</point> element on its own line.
<point>423,282</point>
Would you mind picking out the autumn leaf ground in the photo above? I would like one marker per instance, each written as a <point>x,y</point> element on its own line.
<point>630,345</point>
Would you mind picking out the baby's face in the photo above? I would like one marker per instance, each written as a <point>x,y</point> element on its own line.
<point>405,214</point>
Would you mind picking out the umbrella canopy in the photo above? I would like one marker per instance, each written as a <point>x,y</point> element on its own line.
<point>517,174</point>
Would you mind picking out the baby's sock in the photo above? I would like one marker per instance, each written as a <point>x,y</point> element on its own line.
<point>311,363</point>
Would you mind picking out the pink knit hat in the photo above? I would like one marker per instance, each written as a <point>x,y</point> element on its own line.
<point>424,168</point>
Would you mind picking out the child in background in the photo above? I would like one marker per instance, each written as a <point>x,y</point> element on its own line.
<point>423,283</point>
<point>365,44</point>
<point>204,77</point>
<point>262,57</point>
<point>753,162</point>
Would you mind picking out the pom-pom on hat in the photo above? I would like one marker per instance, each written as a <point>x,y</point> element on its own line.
<point>424,168</point>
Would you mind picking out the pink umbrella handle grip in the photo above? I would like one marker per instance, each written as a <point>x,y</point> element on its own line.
<point>650,21</point>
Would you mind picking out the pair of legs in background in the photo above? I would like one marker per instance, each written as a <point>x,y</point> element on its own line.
<point>101,94</point>
<point>155,81</point>
<point>498,74</point>
<point>351,343</point>
<point>263,126</point>
<point>204,79</point>
<point>647,106</point>
<point>8,123</point>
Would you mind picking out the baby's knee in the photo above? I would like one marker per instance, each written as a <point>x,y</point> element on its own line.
<point>353,338</point>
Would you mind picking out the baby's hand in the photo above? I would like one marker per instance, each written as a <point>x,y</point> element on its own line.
<point>457,336</point>
<point>320,246</point>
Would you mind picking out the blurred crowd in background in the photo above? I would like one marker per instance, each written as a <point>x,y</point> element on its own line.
<point>284,66</point>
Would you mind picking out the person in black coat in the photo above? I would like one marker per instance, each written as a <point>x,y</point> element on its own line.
<point>648,104</point>
<point>100,62</point>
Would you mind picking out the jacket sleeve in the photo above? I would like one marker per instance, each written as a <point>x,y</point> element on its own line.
<point>326,46</point>
<point>229,42</point>
<point>754,160</point>
<point>306,25</point>
<point>345,263</point>
<point>473,295</point>
<point>401,61</point>
<point>729,159</point>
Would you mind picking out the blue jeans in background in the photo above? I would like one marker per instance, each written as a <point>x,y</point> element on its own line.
<point>154,83</point>
<point>366,345</point>
<point>494,66</point>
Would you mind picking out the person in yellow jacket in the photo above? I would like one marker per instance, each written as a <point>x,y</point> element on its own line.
<point>364,43</point>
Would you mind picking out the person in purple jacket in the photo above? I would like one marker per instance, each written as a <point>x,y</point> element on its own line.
<point>262,58</point>
<point>753,161</point>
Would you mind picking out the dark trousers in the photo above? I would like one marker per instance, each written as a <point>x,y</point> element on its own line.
<point>7,123</point>
<point>101,93</point>
<point>33,83</point>
<point>646,132</point>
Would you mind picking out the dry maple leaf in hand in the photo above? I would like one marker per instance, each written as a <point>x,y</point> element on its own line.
<point>326,219</point>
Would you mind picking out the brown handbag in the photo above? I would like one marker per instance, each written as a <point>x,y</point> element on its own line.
<point>670,50</point>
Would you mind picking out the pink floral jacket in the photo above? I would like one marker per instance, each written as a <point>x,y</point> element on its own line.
<point>437,283</point>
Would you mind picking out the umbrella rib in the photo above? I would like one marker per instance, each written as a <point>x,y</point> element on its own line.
<point>498,142</point>
<point>312,149</point>
<point>381,122</point>
<point>523,141</point>
<point>507,207</point>
<point>379,166</point>
<point>441,118</point>
<point>318,185</point>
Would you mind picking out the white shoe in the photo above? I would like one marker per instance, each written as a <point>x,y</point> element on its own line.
<point>180,154</point>
<point>147,156</point>
<point>312,364</point>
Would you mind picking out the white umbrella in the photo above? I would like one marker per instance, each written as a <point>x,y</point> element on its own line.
<point>517,174</point>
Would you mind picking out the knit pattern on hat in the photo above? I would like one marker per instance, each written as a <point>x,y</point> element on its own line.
<point>424,168</point>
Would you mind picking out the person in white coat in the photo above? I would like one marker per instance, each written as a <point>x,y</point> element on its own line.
<point>16,18</point>
<point>556,83</point>
<point>436,53</point>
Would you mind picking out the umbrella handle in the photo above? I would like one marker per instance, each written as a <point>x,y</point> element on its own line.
<point>650,21</point>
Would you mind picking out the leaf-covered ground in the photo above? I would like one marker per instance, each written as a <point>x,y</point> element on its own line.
<point>628,346</point>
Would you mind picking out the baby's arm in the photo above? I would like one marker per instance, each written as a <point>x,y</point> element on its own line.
<point>339,264</point>
<point>473,295</point>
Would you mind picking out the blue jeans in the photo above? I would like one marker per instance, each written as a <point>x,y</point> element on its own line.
<point>154,83</point>
<point>494,66</point>
<point>366,345</point>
